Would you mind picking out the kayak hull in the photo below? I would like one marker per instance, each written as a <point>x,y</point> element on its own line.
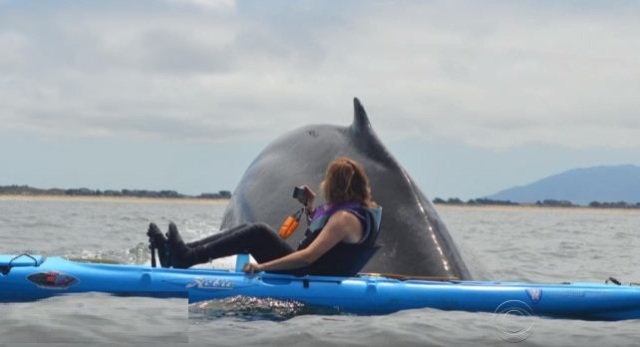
<point>33,278</point>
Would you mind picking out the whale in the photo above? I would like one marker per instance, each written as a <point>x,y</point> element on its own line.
<point>415,242</point>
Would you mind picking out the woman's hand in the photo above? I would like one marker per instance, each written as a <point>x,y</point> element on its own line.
<point>251,268</point>
<point>311,197</point>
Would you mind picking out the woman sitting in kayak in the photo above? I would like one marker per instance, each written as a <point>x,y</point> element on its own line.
<point>339,241</point>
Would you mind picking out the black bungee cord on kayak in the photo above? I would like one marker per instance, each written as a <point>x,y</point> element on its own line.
<point>613,280</point>
<point>618,283</point>
<point>4,270</point>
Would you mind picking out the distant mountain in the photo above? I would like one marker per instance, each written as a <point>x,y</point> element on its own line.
<point>581,186</point>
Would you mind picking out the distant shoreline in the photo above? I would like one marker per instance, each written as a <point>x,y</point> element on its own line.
<point>580,208</point>
<point>552,203</point>
<point>115,199</point>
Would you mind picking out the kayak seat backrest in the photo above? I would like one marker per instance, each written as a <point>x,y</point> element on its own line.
<point>368,254</point>
<point>343,265</point>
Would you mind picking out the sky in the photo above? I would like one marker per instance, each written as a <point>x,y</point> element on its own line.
<point>471,97</point>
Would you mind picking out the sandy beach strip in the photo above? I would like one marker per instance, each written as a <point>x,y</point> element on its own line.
<point>114,199</point>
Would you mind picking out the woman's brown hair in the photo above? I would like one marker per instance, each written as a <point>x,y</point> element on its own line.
<point>346,181</point>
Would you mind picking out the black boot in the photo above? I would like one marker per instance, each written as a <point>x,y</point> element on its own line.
<point>158,241</point>
<point>181,255</point>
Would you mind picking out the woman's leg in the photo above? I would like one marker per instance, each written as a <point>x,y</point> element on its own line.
<point>158,240</point>
<point>216,236</point>
<point>262,242</point>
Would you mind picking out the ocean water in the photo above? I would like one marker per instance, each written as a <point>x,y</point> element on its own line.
<point>510,244</point>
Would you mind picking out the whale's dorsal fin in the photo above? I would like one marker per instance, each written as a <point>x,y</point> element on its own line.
<point>364,137</point>
<point>361,122</point>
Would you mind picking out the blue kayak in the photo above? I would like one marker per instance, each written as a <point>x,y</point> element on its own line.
<point>29,278</point>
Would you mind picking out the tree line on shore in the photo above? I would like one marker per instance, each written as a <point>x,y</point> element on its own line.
<point>542,203</point>
<point>138,193</point>
<point>225,194</point>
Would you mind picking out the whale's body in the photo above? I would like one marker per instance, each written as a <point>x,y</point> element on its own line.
<point>414,240</point>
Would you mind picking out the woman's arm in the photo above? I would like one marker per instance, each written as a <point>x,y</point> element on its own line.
<point>342,226</point>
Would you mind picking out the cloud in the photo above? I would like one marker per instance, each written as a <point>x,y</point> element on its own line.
<point>492,74</point>
<point>207,4</point>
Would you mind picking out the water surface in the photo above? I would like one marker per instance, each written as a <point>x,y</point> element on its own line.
<point>510,244</point>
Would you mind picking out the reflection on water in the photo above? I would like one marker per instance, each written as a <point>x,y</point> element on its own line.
<point>250,309</point>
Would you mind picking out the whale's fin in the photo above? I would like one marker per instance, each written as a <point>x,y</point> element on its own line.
<point>361,122</point>
<point>365,138</point>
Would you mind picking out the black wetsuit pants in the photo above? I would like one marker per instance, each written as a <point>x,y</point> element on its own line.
<point>258,239</point>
